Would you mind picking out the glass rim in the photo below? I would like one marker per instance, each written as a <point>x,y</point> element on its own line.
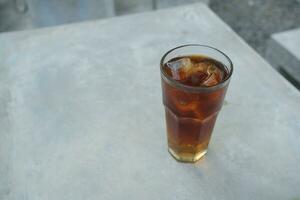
<point>198,88</point>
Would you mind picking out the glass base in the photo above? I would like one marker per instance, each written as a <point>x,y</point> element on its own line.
<point>187,157</point>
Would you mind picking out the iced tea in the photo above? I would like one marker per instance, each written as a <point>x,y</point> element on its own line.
<point>194,88</point>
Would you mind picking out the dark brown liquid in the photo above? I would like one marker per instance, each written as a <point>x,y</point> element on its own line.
<point>196,70</point>
<point>190,116</point>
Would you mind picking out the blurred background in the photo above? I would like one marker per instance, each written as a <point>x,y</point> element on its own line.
<point>256,21</point>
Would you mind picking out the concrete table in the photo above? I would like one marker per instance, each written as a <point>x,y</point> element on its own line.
<point>81,115</point>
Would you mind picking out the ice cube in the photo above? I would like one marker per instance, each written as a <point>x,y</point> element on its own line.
<point>210,80</point>
<point>198,77</point>
<point>183,102</point>
<point>180,69</point>
<point>200,67</point>
<point>212,69</point>
<point>214,76</point>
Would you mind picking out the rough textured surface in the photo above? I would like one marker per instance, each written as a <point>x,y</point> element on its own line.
<point>14,15</point>
<point>258,19</point>
<point>132,6</point>
<point>81,115</point>
<point>169,3</point>
<point>29,14</point>
<point>284,52</point>
<point>55,12</point>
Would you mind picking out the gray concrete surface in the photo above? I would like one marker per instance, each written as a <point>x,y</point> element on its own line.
<point>14,15</point>
<point>170,3</point>
<point>256,20</point>
<point>284,52</point>
<point>133,6</point>
<point>56,12</point>
<point>18,15</point>
<point>28,14</point>
<point>81,115</point>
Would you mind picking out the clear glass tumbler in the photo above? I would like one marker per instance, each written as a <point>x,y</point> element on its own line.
<point>191,112</point>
